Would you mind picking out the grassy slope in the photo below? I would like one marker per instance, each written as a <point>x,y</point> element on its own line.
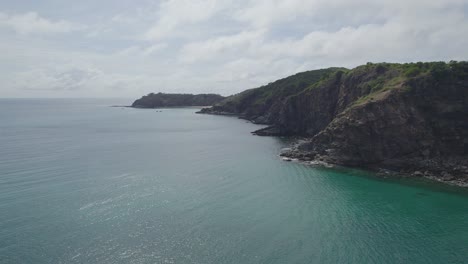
<point>397,75</point>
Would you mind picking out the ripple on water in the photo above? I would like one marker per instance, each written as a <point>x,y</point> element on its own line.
<point>89,185</point>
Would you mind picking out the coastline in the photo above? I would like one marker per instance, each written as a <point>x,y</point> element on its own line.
<point>445,176</point>
<point>164,107</point>
<point>293,154</point>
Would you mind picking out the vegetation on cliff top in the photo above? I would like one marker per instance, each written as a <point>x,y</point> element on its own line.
<point>396,76</point>
<point>281,88</point>
<point>372,79</point>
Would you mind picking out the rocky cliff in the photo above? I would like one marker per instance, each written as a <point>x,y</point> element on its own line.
<point>173,100</point>
<point>408,118</point>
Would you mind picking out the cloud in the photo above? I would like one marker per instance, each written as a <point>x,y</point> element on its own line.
<point>32,23</point>
<point>429,32</point>
<point>268,13</point>
<point>403,37</point>
<point>222,46</point>
<point>78,81</point>
<point>174,14</point>
<point>142,51</point>
<point>66,78</point>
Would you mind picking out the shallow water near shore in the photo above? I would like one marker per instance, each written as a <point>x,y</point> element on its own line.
<point>82,182</point>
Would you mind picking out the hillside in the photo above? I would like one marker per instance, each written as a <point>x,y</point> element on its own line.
<point>262,105</point>
<point>174,100</point>
<point>410,118</point>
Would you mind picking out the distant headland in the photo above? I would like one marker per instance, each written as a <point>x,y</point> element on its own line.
<point>159,100</point>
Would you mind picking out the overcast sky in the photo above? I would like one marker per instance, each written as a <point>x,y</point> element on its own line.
<point>127,48</point>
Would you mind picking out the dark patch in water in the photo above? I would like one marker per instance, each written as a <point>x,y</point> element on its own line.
<point>422,194</point>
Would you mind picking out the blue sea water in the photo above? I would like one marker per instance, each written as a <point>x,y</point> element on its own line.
<point>82,182</point>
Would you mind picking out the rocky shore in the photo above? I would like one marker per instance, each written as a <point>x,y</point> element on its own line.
<point>453,170</point>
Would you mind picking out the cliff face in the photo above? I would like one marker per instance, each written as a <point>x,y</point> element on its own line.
<point>173,100</point>
<point>410,118</point>
<point>263,105</point>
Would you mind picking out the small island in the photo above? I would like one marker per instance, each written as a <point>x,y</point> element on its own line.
<point>160,100</point>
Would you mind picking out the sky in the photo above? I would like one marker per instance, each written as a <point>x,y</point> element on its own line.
<point>127,48</point>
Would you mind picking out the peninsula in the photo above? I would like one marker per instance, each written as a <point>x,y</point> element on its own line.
<point>409,119</point>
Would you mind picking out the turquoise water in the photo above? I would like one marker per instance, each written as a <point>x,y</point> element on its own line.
<point>81,182</point>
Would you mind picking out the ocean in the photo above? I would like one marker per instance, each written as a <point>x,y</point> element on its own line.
<point>83,182</point>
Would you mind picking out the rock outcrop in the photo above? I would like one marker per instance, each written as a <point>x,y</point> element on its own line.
<point>176,100</point>
<point>408,118</point>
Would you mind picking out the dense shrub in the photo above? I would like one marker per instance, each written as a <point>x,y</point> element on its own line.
<point>412,72</point>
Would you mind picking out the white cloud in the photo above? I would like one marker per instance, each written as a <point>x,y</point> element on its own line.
<point>64,78</point>
<point>428,32</point>
<point>220,46</point>
<point>154,48</point>
<point>142,50</point>
<point>31,22</point>
<point>267,13</point>
<point>404,37</point>
<point>176,13</point>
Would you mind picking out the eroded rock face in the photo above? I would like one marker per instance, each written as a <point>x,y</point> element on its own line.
<point>423,126</point>
<point>377,117</point>
<point>424,121</point>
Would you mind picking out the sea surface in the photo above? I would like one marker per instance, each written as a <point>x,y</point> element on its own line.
<point>82,182</point>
